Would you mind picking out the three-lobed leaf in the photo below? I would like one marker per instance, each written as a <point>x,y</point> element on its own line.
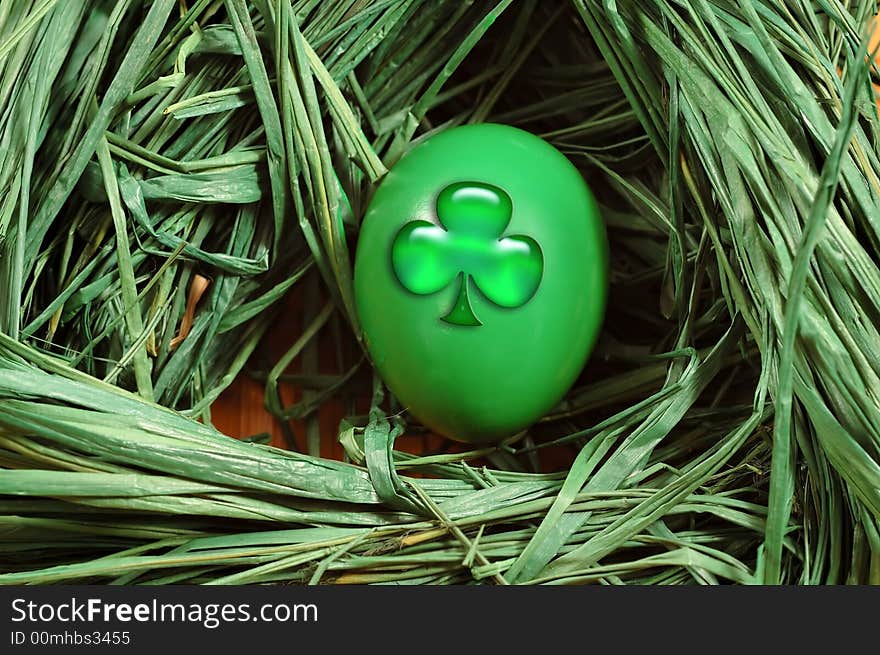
<point>468,243</point>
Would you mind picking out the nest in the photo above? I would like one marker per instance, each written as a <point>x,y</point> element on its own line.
<point>171,173</point>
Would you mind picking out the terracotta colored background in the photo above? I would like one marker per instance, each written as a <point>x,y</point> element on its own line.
<point>240,411</point>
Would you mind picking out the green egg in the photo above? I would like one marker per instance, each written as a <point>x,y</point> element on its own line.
<point>480,280</point>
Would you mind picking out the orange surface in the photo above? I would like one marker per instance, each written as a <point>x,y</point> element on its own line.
<point>240,411</point>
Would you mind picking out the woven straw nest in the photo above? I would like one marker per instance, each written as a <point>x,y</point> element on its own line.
<point>726,429</point>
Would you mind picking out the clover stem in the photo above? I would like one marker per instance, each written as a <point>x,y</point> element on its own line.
<point>461,312</point>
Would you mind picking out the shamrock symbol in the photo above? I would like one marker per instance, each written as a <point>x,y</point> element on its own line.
<point>468,246</point>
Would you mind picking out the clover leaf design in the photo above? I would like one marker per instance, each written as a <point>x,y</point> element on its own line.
<point>468,246</point>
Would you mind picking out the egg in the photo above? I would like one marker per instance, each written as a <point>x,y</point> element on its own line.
<point>480,279</point>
